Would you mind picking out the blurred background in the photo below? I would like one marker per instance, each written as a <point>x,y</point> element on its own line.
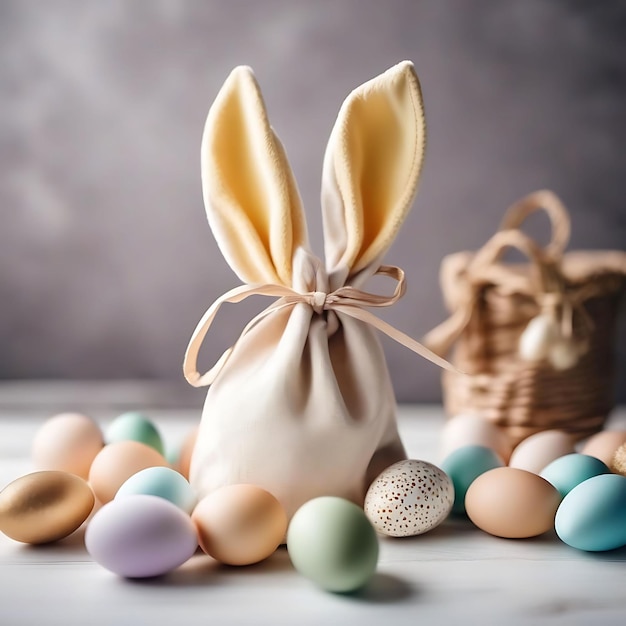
<point>106,259</point>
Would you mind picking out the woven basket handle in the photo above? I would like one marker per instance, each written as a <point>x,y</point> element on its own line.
<point>557,213</point>
<point>484,267</point>
<point>482,270</point>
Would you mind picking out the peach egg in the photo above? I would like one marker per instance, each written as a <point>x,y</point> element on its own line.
<point>604,444</point>
<point>240,524</point>
<point>119,461</point>
<point>186,450</point>
<point>512,503</point>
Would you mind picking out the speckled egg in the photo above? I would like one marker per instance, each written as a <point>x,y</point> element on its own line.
<point>409,498</point>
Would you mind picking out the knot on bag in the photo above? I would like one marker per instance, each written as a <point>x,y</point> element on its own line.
<point>318,301</point>
<point>546,285</point>
<point>347,300</point>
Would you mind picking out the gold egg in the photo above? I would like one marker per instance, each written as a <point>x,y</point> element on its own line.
<point>44,506</point>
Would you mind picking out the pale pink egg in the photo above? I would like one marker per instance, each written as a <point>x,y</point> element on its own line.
<point>68,442</point>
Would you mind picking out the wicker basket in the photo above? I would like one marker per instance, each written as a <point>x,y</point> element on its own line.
<point>567,381</point>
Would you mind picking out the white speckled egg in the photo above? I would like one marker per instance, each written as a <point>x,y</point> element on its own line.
<point>409,498</point>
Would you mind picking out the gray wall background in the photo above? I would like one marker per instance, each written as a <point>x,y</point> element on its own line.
<point>106,260</point>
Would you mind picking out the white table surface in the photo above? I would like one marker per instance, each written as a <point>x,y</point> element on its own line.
<point>456,574</point>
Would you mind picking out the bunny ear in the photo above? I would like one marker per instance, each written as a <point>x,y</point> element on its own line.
<point>251,198</point>
<point>371,168</point>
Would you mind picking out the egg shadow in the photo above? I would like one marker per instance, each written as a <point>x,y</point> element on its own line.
<point>203,570</point>
<point>64,548</point>
<point>617,555</point>
<point>383,589</point>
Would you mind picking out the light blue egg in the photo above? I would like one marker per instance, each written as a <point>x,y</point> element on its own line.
<point>592,516</point>
<point>163,482</point>
<point>134,426</point>
<point>572,469</point>
<point>464,466</point>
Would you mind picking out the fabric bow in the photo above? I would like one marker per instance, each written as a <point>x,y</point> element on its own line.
<point>347,300</point>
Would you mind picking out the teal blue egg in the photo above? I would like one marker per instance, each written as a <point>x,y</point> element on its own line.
<point>163,482</point>
<point>464,466</point>
<point>572,469</point>
<point>135,427</point>
<point>331,542</point>
<point>592,516</point>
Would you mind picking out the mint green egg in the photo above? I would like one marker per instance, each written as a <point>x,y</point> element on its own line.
<point>331,542</point>
<point>134,426</point>
<point>464,465</point>
<point>572,469</point>
<point>162,482</point>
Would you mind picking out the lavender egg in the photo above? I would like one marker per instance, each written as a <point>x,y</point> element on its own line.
<point>141,536</point>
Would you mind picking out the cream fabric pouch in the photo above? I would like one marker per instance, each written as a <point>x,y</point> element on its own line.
<point>302,405</point>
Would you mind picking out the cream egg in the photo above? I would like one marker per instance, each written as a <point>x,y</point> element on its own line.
<point>535,452</point>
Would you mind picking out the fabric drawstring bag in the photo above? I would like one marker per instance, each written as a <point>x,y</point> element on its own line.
<point>535,340</point>
<point>302,404</point>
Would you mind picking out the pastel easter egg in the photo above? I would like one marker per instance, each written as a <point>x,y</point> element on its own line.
<point>470,429</point>
<point>332,543</point>
<point>162,482</point>
<point>409,498</point>
<point>240,524</point>
<point>68,442</point>
<point>604,444</point>
<point>133,426</point>
<point>117,462</point>
<point>464,466</point>
<point>140,536</point>
<point>185,451</point>
<point>44,506</point>
<point>592,516</point>
<point>512,503</point>
<point>572,469</point>
<point>535,452</point>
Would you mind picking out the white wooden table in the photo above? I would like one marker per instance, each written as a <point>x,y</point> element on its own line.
<point>455,574</point>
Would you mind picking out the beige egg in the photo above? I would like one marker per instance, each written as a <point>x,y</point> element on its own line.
<point>68,442</point>
<point>240,524</point>
<point>535,452</point>
<point>44,506</point>
<point>512,503</point>
<point>470,429</point>
<point>604,444</point>
<point>117,462</point>
<point>618,462</point>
